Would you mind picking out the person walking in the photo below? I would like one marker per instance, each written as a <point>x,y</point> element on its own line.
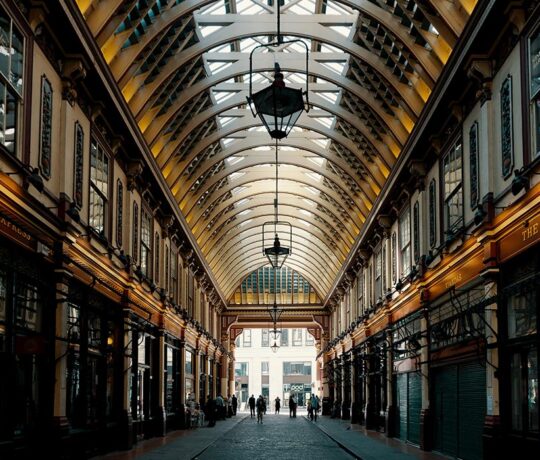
<point>234,402</point>
<point>261,408</point>
<point>252,406</point>
<point>277,404</point>
<point>314,407</point>
<point>309,410</point>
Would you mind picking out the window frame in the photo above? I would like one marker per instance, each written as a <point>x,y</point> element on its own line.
<point>21,110</point>
<point>94,189</point>
<point>145,247</point>
<point>448,196</point>
<point>405,250</point>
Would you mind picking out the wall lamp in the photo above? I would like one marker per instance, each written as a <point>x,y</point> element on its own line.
<point>520,181</point>
<point>31,177</point>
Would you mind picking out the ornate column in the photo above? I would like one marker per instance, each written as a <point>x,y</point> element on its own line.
<point>126,423</point>
<point>354,393</point>
<point>197,374</point>
<point>345,386</point>
<point>426,417</point>
<point>390,403</point>
<point>232,388</point>
<point>492,422</point>
<point>370,411</point>
<point>224,378</point>
<point>160,414</point>
<point>181,415</point>
<point>61,423</point>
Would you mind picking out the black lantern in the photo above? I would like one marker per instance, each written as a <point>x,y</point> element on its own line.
<point>277,254</point>
<point>278,107</point>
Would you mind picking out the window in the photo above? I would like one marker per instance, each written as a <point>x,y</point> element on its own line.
<point>453,192</point>
<point>174,276</point>
<point>45,139</point>
<point>297,337</point>
<point>534,69</point>
<point>524,390</point>
<point>285,338</point>
<point>405,241</point>
<point>79,166</point>
<point>246,338</point>
<point>361,292</point>
<point>416,232</point>
<point>135,249</point>
<point>265,338</point>
<point>473,165</point>
<point>146,232</point>
<point>432,214</point>
<point>11,80</point>
<point>295,368</point>
<point>166,275</point>
<point>99,187</point>
<point>265,367</point>
<point>189,362</point>
<point>157,250</point>
<point>378,275</point>
<point>240,369</point>
<point>507,128</point>
<point>309,339</point>
<point>119,212</point>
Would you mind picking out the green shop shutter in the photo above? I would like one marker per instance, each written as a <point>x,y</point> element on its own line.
<point>472,409</point>
<point>446,410</point>
<point>459,406</point>
<point>402,404</point>
<point>414,407</point>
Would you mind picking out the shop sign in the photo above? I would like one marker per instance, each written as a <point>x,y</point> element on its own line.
<point>525,235</point>
<point>458,277</point>
<point>16,233</point>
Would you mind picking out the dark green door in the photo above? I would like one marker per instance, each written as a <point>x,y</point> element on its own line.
<point>414,407</point>
<point>472,409</point>
<point>409,404</point>
<point>459,397</point>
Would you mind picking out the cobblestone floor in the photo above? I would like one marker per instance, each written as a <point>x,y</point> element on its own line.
<point>278,437</point>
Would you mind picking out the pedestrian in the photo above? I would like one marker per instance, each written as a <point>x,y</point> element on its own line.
<point>309,410</point>
<point>220,407</point>
<point>314,407</point>
<point>252,406</point>
<point>278,404</point>
<point>261,408</point>
<point>295,405</point>
<point>211,411</point>
<point>234,401</point>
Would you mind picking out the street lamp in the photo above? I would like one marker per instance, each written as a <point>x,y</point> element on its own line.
<point>277,106</point>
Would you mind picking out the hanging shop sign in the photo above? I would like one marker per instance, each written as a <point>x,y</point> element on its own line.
<point>525,235</point>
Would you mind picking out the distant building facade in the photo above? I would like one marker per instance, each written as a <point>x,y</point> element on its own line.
<point>291,370</point>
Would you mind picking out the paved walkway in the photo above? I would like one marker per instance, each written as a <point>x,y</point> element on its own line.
<point>278,437</point>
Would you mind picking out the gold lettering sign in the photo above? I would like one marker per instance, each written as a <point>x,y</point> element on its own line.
<point>526,234</point>
<point>16,233</point>
<point>454,279</point>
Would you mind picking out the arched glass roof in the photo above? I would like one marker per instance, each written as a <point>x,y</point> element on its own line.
<point>183,68</point>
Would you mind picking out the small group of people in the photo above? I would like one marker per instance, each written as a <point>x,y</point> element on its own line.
<point>293,404</point>
<point>313,406</point>
<point>216,409</point>
<point>259,405</point>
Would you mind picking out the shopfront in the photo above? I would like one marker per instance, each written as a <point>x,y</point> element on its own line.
<point>26,335</point>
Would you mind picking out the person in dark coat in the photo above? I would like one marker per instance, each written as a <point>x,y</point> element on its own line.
<point>252,406</point>
<point>234,404</point>
<point>210,411</point>
<point>277,404</point>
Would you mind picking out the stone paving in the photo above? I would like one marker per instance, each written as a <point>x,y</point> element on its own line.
<point>278,437</point>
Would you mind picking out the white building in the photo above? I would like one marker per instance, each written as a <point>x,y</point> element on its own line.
<point>292,369</point>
